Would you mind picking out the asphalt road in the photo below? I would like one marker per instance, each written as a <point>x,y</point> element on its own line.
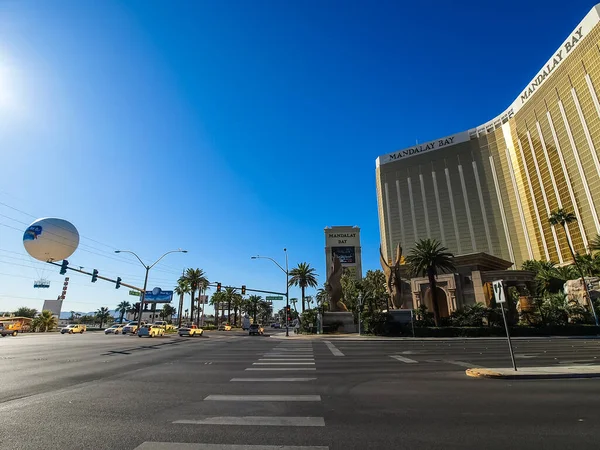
<point>229,391</point>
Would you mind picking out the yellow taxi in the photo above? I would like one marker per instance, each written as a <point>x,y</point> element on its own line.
<point>191,331</point>
<point>75,328</point>
<point>224,327</point>
<point>151,331</point>
<point>116,328</point>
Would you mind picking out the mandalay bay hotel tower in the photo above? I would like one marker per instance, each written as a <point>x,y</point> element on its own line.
<point>491,189</point>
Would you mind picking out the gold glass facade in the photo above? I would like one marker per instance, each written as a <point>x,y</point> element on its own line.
<point>492,188</point>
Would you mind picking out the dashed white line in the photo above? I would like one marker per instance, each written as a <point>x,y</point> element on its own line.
<point>187,446</point>
<point>283,363</point>
<point>298,369</point>
<point>252,380</point>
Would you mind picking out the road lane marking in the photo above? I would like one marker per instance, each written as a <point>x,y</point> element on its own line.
<point>259,421</point>
<point>263,398</point>
<point>286,359</point>
<point>333,348</point>
<point>282,368</point>
<point>251,380</point>
<point>461,363</point>
<point>283,363</point>
<point>404,360</point>
<point>186,446</point>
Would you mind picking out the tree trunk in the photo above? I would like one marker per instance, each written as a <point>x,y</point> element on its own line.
<point>235,315</point>
<point>121,316</point>
<point>180,313</point>
<point>192,305</point>
<point>587,292</point>
<point>216,314</point>
<point>229,312</point>
<point>303,298</point>
<point>433,289</point>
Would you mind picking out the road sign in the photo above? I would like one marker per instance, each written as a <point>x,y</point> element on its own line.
<point>136,293</point>
<point>500,297</point>
<point>273,298</point>
<point>499,291</point>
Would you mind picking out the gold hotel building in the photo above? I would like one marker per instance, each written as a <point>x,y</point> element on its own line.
<point>491,189</point>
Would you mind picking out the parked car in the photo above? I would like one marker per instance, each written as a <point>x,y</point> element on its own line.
<point>74,328</point>
<point>224,327</point>
<point>256,329</point>
<point>151,331</point>
<point>7,331</point>
<point>190,331</point>
<point>165,325</point>
<point>117,328</point>
<point>275,325</point>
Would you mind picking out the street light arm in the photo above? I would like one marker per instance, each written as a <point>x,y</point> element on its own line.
<point>276,263</point>
<point>134,254</point>
<point>172,251</point>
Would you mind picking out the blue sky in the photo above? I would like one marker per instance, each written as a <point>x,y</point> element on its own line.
<point>233,128</point>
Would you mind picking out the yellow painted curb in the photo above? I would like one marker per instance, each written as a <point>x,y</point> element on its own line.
<point>483,373</point>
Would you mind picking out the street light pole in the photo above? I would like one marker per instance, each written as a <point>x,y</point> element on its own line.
<point>287,285</point>
<point>147,267</point>
<point>287,294</point>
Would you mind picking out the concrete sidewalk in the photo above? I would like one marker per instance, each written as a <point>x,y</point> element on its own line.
<point>537,373</point>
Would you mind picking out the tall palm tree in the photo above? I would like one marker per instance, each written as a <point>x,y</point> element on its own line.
<point>167,311</point>
<point>45,321</point>
<point>427,258</point>
<point>303,276</point>
<point>122,308</point>
<point>230,295</point>
<point>134,310</point>
<point>238,303</point>
<point>293,301</point>
<point>564,218</point>
<point>253,302</point>
<point>102,315</point>
<point>181,289</point>
<point>217,299</point>
<point>195,279</point>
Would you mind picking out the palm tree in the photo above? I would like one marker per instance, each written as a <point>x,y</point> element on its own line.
<point>238,302</point>
<point>427,258</point>
<point>265,311</point>
<point>293,301</point>
<point>303,276</point>
<point>595,243</point>
<point>195,279</point>
<point>230,295</point>
<point>216,299</point>
<point>134,310</point>
<point>167,311</point>
<point>122,308</point>
<point>45,321</point>
<point>102,315</point>
<point>309,300</point>
<point>253,302</point>
<point>564,218</point>
<point>181,289</point>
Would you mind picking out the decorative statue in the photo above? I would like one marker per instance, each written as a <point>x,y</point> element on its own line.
<point>392,278</point>
<point>334,286</point>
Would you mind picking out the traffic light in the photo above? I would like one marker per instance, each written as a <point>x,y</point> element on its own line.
<point>118,283</point>
<point>288,312</point>
<point>63,267</point>
<point>218,287</point>
<point>243,290</point>
<point>95,275</point>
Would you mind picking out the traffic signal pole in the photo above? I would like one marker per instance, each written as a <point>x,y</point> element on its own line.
<point>97,276</point>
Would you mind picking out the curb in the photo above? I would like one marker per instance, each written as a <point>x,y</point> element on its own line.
<point>488,373</point>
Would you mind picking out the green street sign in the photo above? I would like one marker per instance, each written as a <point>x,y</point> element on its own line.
<point>273,298</point>
<point>136,293</point>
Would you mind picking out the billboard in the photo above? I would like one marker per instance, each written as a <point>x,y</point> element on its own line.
<point>345,254</point>
<point>53,305</point>
<point>157,295</point>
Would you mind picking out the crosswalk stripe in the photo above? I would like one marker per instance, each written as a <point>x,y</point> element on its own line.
<point>282,363</point>
<point>259,421</point>
<point>403,359</point>
<point>251,380</point>
<point>282,368</point>
<point>264,398</point>
<point>188,446</point>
